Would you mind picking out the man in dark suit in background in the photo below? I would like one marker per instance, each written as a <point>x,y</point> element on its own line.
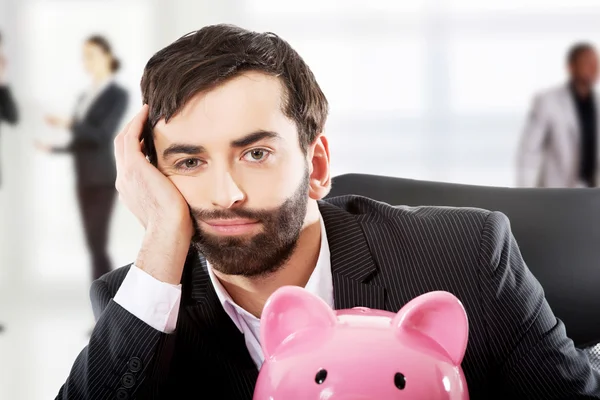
<point>228,180</point>
<point>8,108</point>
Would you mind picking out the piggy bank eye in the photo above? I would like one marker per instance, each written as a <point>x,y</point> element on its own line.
<point>321,376</point>
<point>400,381</point>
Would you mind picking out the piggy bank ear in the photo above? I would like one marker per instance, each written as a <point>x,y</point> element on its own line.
<point>441,317</point>
<point>289,310</point>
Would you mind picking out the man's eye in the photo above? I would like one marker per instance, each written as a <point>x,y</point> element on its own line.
<point>189,163</point>
<point>257,155</point>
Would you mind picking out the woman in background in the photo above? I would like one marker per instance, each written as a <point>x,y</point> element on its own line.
<point>93,127</point>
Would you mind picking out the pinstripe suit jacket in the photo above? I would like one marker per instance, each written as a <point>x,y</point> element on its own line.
<point>381,257</point>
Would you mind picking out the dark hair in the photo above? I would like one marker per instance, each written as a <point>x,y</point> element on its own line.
<point>206,58</point>
<point>576,50</point>
<point>103,43</point>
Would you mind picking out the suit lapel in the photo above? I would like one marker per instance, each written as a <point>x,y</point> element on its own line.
<point>224,344</point>
<point>351,262</point>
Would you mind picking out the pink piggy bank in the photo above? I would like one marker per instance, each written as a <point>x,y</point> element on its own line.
<point>312,352</point>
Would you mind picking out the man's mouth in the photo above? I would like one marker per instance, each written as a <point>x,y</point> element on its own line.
<point>237,226</point>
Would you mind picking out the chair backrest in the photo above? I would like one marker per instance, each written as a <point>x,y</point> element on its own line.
<point>558,232</point>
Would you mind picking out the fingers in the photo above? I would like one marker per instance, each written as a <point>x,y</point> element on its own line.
<point>132,148</point>
<point>120,147</point>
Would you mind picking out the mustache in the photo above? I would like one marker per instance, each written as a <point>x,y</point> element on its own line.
<point>232,213</point>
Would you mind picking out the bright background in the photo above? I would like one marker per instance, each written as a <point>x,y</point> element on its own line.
<point>426,89</point>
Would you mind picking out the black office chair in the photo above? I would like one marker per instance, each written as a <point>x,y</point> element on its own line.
<point>558,232</point>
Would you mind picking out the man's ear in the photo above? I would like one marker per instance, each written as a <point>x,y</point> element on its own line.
<point>319,169</point>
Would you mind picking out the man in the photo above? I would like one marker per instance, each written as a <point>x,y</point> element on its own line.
<point>559,147</point>
<point>234,125</point>
<point>8,109</point>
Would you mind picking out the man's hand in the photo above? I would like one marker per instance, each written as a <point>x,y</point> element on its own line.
<point>157,204</point>
<point>58,122</point>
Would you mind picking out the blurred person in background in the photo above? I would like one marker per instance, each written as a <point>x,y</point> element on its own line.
<point>8,108</point>
<point>559,146</point>
<point>97,116</point>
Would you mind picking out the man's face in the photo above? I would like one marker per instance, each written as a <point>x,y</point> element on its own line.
<point>236,159</point>
<point>584,70</point>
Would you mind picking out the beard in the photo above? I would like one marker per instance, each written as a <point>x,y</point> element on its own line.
<point>263,253</point>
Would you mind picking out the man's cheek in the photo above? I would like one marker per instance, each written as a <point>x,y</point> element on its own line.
<point>190,188</point>
<point>267,196</point>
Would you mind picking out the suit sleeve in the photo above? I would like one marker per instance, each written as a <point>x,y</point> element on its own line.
<point>8,108</point>
<point>535,358</point>
<point>125,357</point>
<point>90,135</point>
<point>530,153</point>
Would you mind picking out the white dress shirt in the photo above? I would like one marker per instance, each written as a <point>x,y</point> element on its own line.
<point>89,96</point>
<point>157,303</point>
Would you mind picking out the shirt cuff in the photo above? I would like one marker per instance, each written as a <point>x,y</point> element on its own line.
<point>153,301</point>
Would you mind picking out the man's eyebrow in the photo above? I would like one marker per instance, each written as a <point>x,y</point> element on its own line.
<point>254,137</point>
<point>180,148</point>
